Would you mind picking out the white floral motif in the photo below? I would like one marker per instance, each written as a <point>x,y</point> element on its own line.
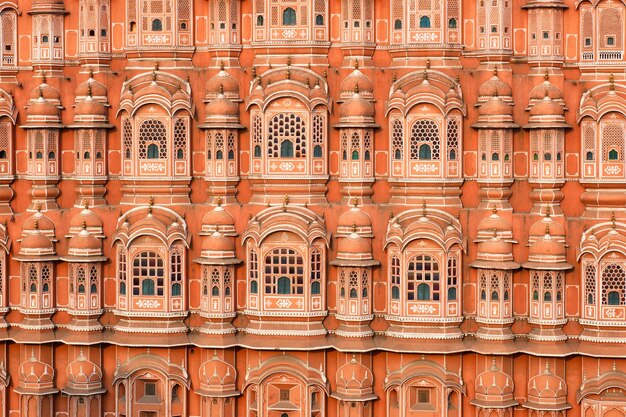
<point>148,304</point>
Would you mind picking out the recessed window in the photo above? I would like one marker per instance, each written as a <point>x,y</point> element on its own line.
<point>149,389</point>
<point>284,395</point>
<point>397,24</point>
<point>610,41</point>
<point>157,25</point>
<point>424,22</point>
<point>545,34</point>
<point>587,41</point>
<point>289,17</point>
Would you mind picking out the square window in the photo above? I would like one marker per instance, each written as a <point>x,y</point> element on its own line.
<point>546,35</point>
<point>284,395</point>
<point>423,396</point>
<point>149,389</point>
<point>610,40</point>
<point>587,41</point>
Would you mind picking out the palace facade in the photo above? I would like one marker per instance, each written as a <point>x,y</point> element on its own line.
<point>312,208</point>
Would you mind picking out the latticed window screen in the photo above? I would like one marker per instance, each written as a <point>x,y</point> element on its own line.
<point>395,278</point>
<point>611,26</point>
<point>8,19</point>
<point>425,141</point>
<point>613,284</point>
<point>612,142</point>
<point>422,278</point>
<point>397,139</point>
<point>148,274</point>
<point>452,138</point>
<point>180,138</point>
<point>286,136</point>
<point>152,133</point>
<point>284,272</point>
<point>590,284</point>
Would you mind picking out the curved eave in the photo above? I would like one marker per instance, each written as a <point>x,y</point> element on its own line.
<point>217,394</point>
<point>355,262</point>
<point>545,5</point>
<point>221,126</point>
<point>356,125</point>
<point>90,126</point>
<point>550,125</point>
<point>40,391</point>
<point>36,258</point>
<point>548,266</point>
<point>503,266</point>
<point>218,261</point>
<point>493,404</point>
<point>43,126</point>
<point>86,259</point>
<point>86,392</point>
<point>547,407</point>
<point>354,398</point>
<point>495,125</point>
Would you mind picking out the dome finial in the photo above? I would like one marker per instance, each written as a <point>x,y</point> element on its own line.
<point>355,202</point>
<point>40,92</point>
<point>288,61</point>
<point>90,72</point>
<point>285,202</point>
<point>423,208</point>
<point>253,72</point>
<point>428,64</point>
<point>218,201</point>
<point>288,74</point>
<point>221,65</point>
<point>611,82</point>
<point>43,77</point>
<point>36,225</point>
<point>547,230</point>
<point>356,88</point>
<point>150,204</point>
<point>38,206</point>
<point>494,209</point>
<point>356,64</point>
<point>84,225</point>
<point>353,227</point>
<point>546,75</point>
<point>547,212</point>
<point>495,71</point>
<point>88,90</point>
<point>156,66</point>
<point>154,76</point>
<point>221,89</point>
<point>613,220</point>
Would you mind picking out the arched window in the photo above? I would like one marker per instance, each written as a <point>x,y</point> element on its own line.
<point>315,288</point>
<point>451,294</point>
<point>153,151</point>
<point>353,293</point>
<point>423,292</point>
<point>613,284</point>
<point>284,285</point>
<point>157,25</point>
<point>425,153</point>
<point>423,269</point>
<point>254,287</point>
<point>425,132</point>
<point>317,151</point>
<point>397,24</point>
<point>424,22</point>
<point>286,149</point>
<point>260,21</point>
<point>452,23</point>
<point>284,272</point>
<point>319,20</point>
<point>289,17</point>
<point>395,278</point>
<point>613,155</point>
<point>215,291</point>
<point>148,267</point>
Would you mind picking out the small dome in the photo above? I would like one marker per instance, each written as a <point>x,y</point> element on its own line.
<point>547,246</point>
<point>218,242</point>
<point>92,88</point>
<point>83,372</point>
<point>221,106</point>
<point>356,106</point>
<point>222,82</point>
<point>494,223</point>
<point>38,221</point>
<point>46,91</point>
<point>547,386</point>
<point>86,218</point>
<point>495,246</point>
<point>33,371</point>
<point>90,107</point>
<point>356,81</point>
<point>84,242</point>
<point>354,243</point>
<point>494,87</point>
<point>216,374</point>
<point>547,107</point>
<point>354,376</point>
<point>36,243</point>
<point>546,89</point>
<point>495,106</point>
<point>494,382</point>
<point>354,217</point>
<point>539,228</point>
<point>42,107</point>
<point>218,217</point>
